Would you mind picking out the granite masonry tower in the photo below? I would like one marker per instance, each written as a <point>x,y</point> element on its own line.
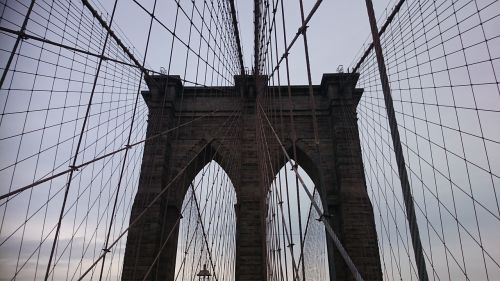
<point>338,170</point>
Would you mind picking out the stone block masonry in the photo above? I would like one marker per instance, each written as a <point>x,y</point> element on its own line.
<point>337,172</point>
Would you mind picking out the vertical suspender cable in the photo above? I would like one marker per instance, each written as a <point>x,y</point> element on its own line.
<point>398,150</point>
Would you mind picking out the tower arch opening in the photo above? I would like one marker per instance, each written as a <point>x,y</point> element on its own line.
<point>207,231</point>
<point>295,238</point>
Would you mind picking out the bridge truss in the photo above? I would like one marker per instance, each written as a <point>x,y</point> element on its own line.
<point>73,130</point>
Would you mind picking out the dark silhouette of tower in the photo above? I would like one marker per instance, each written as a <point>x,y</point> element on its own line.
<point>335,166</point>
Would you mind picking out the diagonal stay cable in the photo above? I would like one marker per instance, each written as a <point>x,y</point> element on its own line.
<point>110,32</point>
<point>296,37</point>
<point>405,185</point>
<point>66,193</point>
<point>77,167</point>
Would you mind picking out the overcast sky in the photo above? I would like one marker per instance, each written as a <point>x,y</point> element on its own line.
<point>336,33</point>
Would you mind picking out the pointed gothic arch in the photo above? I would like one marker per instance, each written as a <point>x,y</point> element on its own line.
<point>210,196</point>
<point>191,162</point>
<point>296,240</point>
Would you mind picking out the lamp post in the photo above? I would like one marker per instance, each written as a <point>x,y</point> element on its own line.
<point>204,274</point>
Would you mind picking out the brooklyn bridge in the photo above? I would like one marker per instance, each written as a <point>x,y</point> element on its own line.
<point>249,140</point>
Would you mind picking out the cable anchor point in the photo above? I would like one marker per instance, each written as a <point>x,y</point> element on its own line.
<point>302,29</point>
<point>324,216</point>
<point>23,35</point>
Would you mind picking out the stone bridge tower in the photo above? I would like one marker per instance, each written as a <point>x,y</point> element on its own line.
<point>338,170</point>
